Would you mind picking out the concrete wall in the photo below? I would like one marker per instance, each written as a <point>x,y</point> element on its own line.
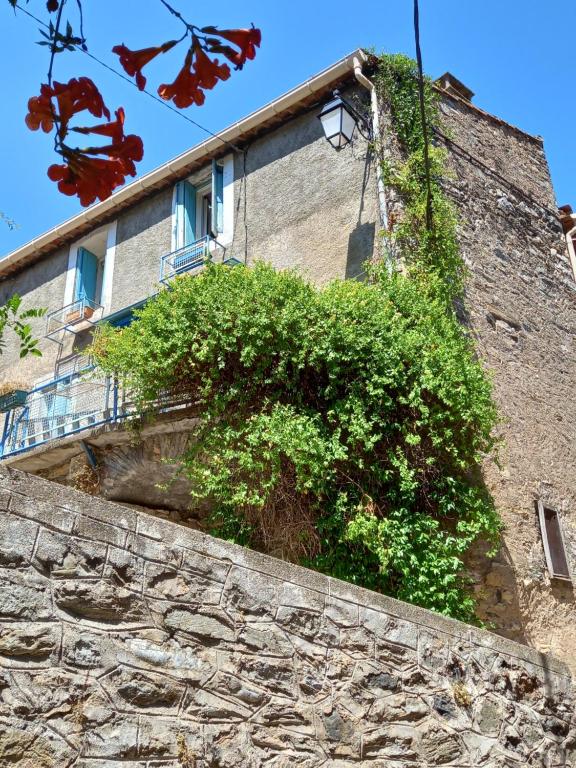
<point>307,205</point>
<point>521,307</point>
<point>40,286</point>
<point>129,641</point>
<point>143,236</point>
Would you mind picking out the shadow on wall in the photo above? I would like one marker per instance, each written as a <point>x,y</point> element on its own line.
<point>497,591</point>
<point>360,249</point>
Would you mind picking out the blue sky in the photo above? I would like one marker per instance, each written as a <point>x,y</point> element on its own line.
<point>516,56</point>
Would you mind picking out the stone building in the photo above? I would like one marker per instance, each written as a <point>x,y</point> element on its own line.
<point>271,187</point>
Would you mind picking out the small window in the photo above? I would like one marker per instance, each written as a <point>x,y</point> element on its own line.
<point>553,540</point>
<point>90,259</point>
<point>199,207</point>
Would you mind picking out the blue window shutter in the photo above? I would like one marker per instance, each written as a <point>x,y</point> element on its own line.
<point>217,198</point>
<point>185,214</point>
<point>86,275</point>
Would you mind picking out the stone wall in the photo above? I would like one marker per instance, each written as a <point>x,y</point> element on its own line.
<point>127,641</point>
<point>521,309</point>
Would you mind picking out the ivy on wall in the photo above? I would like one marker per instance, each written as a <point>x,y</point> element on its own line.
<point>343,426</point>
<point>431,255</point>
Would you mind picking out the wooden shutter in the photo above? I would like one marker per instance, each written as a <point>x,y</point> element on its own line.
<point>553,540</point>
<point>185,214</point>
<point>86,275</point>
<point>217,223</point>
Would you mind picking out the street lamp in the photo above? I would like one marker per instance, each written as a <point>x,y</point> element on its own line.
<point>339,119</point>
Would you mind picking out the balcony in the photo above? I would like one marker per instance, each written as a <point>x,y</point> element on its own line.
<point>75,317</point>
<point>59,408</point>
<point>192,258</point>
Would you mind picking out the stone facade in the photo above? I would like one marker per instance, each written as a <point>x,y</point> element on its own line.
<point>521,309</point>
<point>127,641</point>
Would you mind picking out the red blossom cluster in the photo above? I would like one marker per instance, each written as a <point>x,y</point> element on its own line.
<point>83,173</point>
<point>94,172</point>
<point>199,72</point>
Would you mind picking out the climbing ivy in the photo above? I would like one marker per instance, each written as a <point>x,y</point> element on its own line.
<point>430,255</point>
<point>341,427</point>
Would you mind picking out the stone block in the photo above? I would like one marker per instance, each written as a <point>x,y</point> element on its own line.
<point>17,540</point>
<point>24,595</point>
<point>98,600</point>
<point>29,641</point>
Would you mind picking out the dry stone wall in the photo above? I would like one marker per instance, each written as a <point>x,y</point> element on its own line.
<point>131,642</point>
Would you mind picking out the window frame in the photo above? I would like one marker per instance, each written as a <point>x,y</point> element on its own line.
<point>541,508</point>
<point>106,269</point>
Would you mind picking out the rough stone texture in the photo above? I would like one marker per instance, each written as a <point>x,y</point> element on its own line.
<point>128,641</point>
<point>521,308</point>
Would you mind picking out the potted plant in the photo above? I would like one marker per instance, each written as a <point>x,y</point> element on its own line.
<point>12,395</point>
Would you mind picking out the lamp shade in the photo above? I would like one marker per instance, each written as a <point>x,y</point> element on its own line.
<point>338,122</point>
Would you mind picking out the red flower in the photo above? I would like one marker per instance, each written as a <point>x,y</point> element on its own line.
<point>75,96</point>
<point>72,97</point>
<point>113,129</point>
<point>236,57</point>
<point>127,150</point>
<point>134,61</point>
<point>246,39</point>
<point>208,70</point>
<point>94,178</point>
<point>185,90</point>
<point>90,178</point>
<point>40,111</point>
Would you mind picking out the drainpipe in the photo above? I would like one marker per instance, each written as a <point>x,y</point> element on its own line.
<point>382,204</point>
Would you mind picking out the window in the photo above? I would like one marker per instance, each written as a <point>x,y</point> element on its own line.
<point>199,209</point>
<point>553,540</point>
<point>90,268</point>
<point>204,211</point>
<point>89,272</point>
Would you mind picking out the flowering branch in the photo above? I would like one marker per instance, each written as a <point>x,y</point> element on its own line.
<point>94,172</point>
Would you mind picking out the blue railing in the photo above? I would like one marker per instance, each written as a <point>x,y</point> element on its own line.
<point>191,258</point>
<point>71,315</point>
<point>60,408</point>
<point>81,400</point>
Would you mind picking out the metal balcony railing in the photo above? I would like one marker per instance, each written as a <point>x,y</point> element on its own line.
<point>59,408</point>
<point>71,316</point>
<point>192,258</point>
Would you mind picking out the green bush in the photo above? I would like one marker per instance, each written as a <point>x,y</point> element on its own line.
<point>340,427</point>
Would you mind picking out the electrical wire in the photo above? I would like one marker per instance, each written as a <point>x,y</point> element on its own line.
<point>132,83</point>
<point>421,100</point>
